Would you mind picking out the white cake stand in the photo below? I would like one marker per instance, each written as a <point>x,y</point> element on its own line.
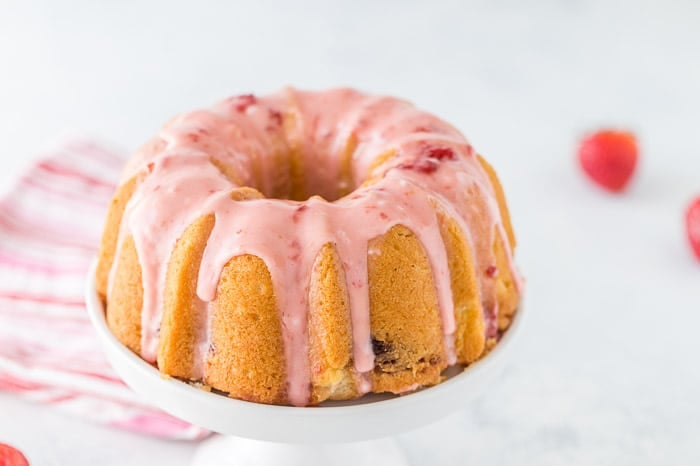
<point>335,433</point>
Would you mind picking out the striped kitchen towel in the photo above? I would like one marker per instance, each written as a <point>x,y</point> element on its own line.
<point>50,225</point>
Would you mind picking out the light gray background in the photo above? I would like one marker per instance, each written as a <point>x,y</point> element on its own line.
<point>607,370</point>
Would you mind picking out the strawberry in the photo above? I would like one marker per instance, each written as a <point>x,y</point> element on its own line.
<point>10,456</point>
<point>692,225</point>
<point>609,158</point>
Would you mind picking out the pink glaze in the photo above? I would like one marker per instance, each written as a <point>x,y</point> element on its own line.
<point>433,167</point>
<point>203,339</point>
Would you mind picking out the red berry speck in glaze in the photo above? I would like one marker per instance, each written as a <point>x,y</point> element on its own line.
<point>296,251</point>
<point>297,213</point>
<point>10,456</point>
<point>421,129</point>
<point>609,158</point>
<point>421,165</point>
<point>430,159</point>
<point>276,117</point>
<point>242,102</point>
<point>492,271</point>
<point>692,226</point>
<point>440,153</point>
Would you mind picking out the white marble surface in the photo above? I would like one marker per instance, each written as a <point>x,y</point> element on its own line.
<point>607,372</point>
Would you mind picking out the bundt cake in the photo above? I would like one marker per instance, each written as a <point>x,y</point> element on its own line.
<point>308,246</point>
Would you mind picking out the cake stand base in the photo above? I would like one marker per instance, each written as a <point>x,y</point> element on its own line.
<point>236,451</point>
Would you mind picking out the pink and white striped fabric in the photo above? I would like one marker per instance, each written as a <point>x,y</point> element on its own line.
<point>50,224</point>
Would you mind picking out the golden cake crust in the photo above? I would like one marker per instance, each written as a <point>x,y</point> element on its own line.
<point>405,321</point>
<point>330,333</point>
<point>183,311</point>
<point>247,356</point>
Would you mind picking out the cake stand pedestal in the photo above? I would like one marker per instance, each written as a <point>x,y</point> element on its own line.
<point>333,434</point>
